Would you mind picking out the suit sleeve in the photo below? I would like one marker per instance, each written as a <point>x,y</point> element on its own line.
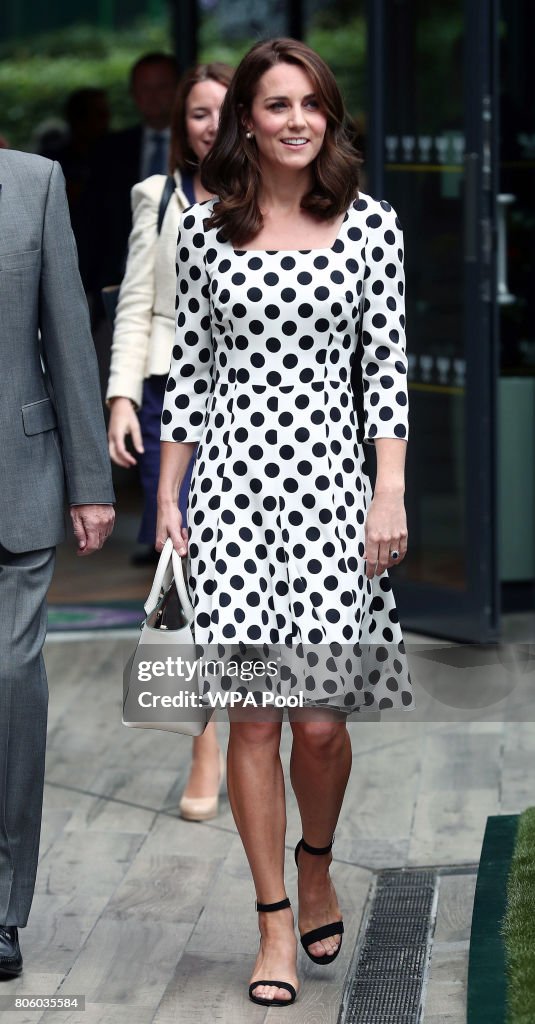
<point>192,364</point>
<point>384,360</point>
<point>133,319</point>
<point>69,356</point>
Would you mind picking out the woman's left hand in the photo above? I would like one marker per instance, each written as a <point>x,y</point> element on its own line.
<point>385,531</point>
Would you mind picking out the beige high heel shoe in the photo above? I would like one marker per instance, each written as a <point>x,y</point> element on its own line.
<point>202,808</point>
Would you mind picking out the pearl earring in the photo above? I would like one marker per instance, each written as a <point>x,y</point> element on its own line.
<point>248,135</point>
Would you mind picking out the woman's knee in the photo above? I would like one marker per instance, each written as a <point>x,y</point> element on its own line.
<point>255,734</point>
<point>324,736</point>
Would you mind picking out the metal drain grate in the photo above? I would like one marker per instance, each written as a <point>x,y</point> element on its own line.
<point>387,984</point>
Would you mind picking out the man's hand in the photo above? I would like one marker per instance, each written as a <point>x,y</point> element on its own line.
<point>92,525</point>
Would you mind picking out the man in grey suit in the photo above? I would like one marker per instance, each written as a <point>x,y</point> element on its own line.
<point>53,445</point>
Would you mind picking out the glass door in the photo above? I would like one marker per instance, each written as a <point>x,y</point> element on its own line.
<point>516,305</point>
<point>430,152</point>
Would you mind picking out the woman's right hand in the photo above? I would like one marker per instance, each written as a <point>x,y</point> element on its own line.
<point>123,421</point>
<point>169,524</point>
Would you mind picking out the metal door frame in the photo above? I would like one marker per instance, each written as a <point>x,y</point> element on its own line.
<point>474,614</point>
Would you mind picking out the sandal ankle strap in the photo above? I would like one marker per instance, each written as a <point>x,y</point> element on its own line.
<point>281,905</point>
<point>317,849</point>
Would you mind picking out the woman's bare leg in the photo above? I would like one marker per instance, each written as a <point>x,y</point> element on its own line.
<point>320,765</point>
<point>203,777</point>
<point>255,784</point>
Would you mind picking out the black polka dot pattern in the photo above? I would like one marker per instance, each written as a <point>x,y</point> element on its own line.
<point>260,377</point>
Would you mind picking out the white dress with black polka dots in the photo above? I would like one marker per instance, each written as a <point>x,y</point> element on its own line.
<point>260,377</point>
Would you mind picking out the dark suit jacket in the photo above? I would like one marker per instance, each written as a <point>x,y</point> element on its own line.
<point>106,216</point>
<point>53,438</point>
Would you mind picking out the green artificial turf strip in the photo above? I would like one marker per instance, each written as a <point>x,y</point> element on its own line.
<point>518,928</point>
<point>486,968</point>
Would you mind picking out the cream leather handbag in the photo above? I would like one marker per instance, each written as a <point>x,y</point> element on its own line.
<point>160,687</point>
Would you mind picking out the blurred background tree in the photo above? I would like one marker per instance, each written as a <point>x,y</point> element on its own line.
<point>38,72</point>
<point>39,68</point>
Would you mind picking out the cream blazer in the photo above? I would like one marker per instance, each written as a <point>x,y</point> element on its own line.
<point>144,327</point>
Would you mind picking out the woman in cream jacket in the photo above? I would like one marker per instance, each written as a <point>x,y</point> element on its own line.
<point>143,339</point>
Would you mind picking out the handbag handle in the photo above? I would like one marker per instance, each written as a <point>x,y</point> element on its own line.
<point>178,570</point>
<point>170,564</point>
<point>159,577</point>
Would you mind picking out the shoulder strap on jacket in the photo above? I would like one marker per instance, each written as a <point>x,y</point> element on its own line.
<point>168,190</point>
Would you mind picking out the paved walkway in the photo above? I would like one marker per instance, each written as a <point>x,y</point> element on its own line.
<point>152,918</point>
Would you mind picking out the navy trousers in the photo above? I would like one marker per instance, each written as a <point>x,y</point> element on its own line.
<point>149,463</point>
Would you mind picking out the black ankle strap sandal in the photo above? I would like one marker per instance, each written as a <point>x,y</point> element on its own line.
<point>281,905</point>
<point>325,931</point>
<point>262,1000</point>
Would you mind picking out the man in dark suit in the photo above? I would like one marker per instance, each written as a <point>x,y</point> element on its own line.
<point>53,446</point>
<point>87,113</point>
<point>122,159</point>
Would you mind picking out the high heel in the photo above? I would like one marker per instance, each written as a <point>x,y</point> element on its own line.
<point>263,1000</point>
<point>325,931</point>
<point>202,808</point>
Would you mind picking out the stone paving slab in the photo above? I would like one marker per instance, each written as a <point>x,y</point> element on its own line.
<point>154,917</point>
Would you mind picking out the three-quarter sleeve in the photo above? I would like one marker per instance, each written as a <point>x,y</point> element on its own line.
<point>190,376</point>
<point>384,360</point>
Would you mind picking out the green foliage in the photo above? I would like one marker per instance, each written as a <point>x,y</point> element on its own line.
<point>344,49</point>
<point>212,47</point>
<point>342,46</point>
<point>518,927</point>
<point>36,74</point>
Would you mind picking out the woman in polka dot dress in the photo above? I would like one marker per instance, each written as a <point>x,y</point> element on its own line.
<point>276,279</point>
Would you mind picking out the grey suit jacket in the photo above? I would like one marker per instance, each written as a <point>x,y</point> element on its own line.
<point>52,434</point>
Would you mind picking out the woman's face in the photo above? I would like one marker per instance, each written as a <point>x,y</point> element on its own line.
<point>202,115</point>
<point>286,118</point>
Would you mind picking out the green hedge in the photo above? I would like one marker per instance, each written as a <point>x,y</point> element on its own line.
<point>342,46</point>
<point>36,75</point>
<point>518,927</point>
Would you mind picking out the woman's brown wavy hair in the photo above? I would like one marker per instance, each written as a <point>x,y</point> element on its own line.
<point>181,155</point>
<point>231,170</point>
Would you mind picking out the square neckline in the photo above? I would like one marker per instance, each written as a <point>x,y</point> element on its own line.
<point>303,252</point>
